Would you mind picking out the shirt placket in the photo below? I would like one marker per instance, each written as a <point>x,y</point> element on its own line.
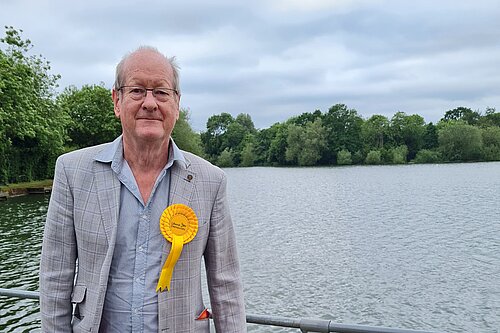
<point>140,270</point>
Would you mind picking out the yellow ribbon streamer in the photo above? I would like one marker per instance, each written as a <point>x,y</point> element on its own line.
<point>179,225</point>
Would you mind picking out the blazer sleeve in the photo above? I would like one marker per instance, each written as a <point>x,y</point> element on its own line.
<point>58,259</point>
<point>223,272</point>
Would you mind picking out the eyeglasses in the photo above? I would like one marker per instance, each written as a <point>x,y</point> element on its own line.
<point>162,94</point>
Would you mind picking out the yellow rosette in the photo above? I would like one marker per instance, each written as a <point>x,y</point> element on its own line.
<point>179,225</point>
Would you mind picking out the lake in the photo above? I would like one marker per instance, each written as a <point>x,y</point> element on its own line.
<point>410,246</point>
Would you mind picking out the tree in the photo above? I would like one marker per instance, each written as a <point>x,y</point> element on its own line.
<point>462,113</point>
<point>343,128</point>
<point>236,133</point>
<point>91,117</point>
<point>490,118</point>
<point>248,154</point>
<point>184,136</point>
<point>374,131</point>
<point>213,140</point>
<point>430,137</point>
<point>225,160</point>
<point>459,141</point>
<point>305,145</point>
<point>305,118</point>
<point>32,128</point>
<point>278,146</point>
<point>491,143</point>
<point>409,131</point>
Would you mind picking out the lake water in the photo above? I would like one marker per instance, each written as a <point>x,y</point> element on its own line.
<point>413,246</point>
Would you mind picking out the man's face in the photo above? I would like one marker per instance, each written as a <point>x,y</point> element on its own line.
<point>147,120</point>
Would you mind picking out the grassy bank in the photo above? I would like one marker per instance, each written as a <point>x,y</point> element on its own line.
<point>26,185</point>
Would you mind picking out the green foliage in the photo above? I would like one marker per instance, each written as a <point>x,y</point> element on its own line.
<point>358,157</point>
<point>409,131</point>
<point>35,128</point>
<point>373,157</point>
<point>427,156</point>
<point>491,143</point>
<point>430,137</point>
<point>343,129</point>
<point>248,155</point>
<point>305,145</point>
<point>344,157</point>
<point>463,114</point>
<point>32,129</point>
<point>278,146</point>
<point>399,154</point>
<point>459,141</point>
<point>91,119</point>
<point>184,136</point>
<point>214,139</point>
<point>225,159</point>
<point>374,132</point>
<point>224,131</point>
<point>490,118</point>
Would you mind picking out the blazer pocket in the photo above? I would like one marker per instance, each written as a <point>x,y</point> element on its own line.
<point>78,294</point>
<point>202,326</point>
<point>77,298</point>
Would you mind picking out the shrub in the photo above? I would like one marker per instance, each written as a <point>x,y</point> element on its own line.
<point>344,157</point>
<point>373,157</point>
<point>427,156</point>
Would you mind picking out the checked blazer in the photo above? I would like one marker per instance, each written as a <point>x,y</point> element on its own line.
<point>79,240</point>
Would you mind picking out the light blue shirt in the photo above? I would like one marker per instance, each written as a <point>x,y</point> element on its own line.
<point>131,302</point>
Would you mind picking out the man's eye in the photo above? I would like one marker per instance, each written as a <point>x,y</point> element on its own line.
<point>137,91</point>
<point>162,92</point>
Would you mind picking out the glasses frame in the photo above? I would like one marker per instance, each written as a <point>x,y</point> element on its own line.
<point>149,89</point>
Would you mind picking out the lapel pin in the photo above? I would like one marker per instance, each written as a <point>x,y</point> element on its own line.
<point>189,178</point>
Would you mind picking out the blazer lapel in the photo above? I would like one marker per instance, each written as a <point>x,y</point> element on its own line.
<point>108,193</point>
<point>182,183</point>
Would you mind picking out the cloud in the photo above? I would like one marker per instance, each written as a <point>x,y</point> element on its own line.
<point>277,59</point>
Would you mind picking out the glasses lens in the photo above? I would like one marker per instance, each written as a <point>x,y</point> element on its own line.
<point>162,94</point>
<point>137,93</point>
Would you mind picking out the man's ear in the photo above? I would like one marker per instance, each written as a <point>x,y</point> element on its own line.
<point>116,102</point>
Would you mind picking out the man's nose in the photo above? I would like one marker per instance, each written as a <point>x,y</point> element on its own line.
<point>149,102</point>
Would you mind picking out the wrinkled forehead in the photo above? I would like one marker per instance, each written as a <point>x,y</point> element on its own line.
<point>149,66</point>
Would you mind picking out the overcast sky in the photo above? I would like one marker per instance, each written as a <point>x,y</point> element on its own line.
<point>279,58</point>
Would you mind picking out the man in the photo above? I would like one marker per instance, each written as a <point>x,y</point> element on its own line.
<point>102,249</point>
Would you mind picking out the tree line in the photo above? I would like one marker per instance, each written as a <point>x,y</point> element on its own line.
<point>37,125</point>
<point>341,136</point>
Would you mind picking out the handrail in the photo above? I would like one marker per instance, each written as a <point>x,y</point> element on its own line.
<point>304,324</point>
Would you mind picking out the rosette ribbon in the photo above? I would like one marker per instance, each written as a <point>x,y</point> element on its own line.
<point>179,225</point>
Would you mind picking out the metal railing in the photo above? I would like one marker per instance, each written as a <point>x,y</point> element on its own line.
<point>304,324</point>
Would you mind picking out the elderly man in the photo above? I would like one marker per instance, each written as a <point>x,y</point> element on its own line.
<point>103,252</point>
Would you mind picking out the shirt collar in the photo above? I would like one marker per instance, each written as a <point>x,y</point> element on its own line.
<point>113,153</point>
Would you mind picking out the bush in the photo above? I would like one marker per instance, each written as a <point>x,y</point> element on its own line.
<point>399,154</point>
<point>225,159</point>
<point>344,157</point>
<point>491,143</point>
<point>427,156</point>
<point>373,157</point>
<point>358,157</point>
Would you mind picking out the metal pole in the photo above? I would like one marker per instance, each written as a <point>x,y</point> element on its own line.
<point>19,293</point>
<point>304,324</point>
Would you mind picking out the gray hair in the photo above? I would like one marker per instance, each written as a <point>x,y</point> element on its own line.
<point>120,75</point>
